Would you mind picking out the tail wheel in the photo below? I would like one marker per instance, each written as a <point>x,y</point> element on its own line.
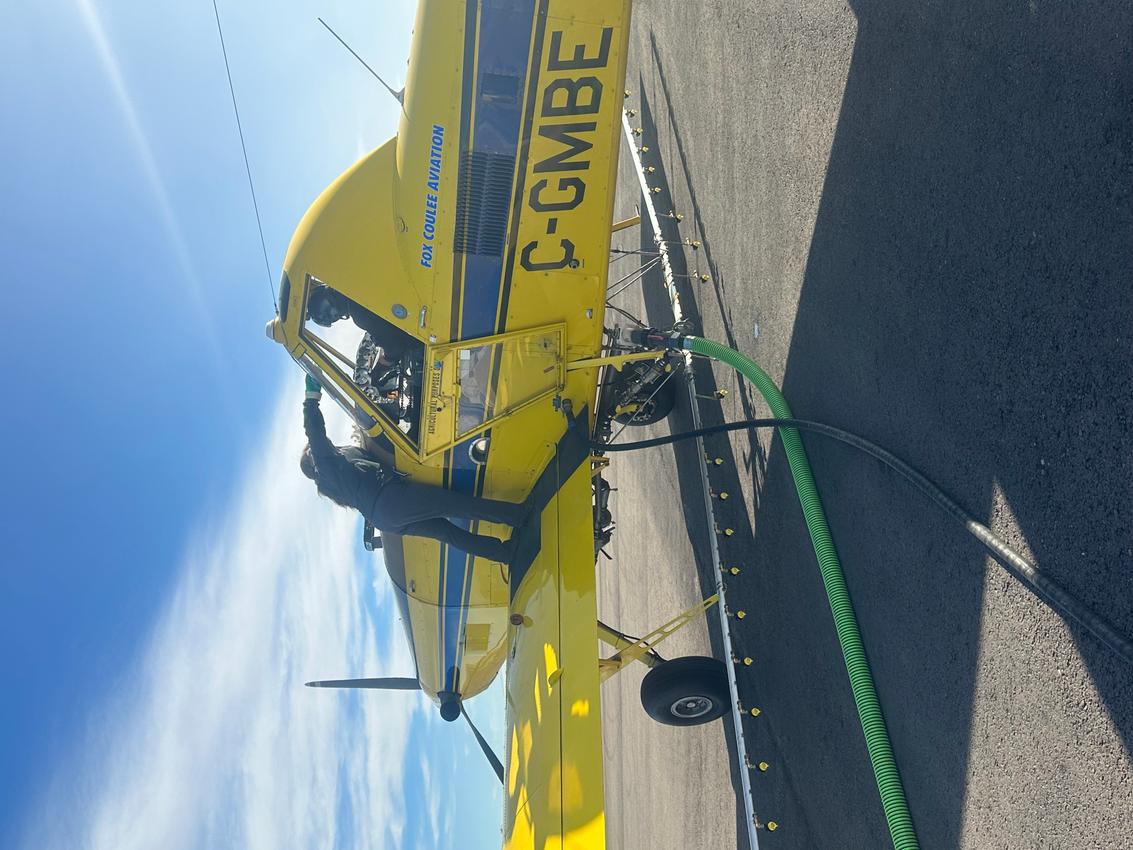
<point>686,691</point>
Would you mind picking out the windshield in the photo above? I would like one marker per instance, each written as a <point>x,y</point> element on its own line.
<point>381,362</point>
<point>364,420</point>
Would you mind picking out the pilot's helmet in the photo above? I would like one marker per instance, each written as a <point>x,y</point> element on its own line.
<point>325,306</point>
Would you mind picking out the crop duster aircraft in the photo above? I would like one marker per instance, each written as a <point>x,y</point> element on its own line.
<point>479,238</point>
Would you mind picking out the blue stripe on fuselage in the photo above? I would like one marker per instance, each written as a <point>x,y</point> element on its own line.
<point>503,52</point>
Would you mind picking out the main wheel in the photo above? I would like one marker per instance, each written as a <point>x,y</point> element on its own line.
<point>653,409</point>
<point>686,691</point>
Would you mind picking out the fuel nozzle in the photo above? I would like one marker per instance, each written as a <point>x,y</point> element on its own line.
<point>656,338</point>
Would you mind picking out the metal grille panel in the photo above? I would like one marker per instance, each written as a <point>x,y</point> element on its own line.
<point>482,203</point>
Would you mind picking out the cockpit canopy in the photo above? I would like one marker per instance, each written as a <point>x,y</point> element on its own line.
<point>423,398</point>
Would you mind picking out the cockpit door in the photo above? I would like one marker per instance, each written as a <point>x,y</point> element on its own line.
<point>472,384</point>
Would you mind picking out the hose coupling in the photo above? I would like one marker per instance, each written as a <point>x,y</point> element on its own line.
<point>656,338</point>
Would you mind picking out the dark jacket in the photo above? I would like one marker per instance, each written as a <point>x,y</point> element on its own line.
<point>356,486</point>
<point>393,341</point>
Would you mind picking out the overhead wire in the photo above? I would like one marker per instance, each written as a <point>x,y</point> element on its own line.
<point>247,165</point>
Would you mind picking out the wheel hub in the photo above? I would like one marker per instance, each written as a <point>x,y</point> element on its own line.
<point>690,707</point>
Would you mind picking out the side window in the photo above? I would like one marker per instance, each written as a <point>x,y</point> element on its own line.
<point>472,383</point>
<point>382,361</point>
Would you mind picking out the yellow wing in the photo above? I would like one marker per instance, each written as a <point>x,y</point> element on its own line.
<point>553,768</point>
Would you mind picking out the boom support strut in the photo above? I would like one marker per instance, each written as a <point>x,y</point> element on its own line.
<point>629,652</point>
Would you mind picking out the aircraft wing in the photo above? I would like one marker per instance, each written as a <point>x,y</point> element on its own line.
<point>557,266</point>
<point>553,766</point>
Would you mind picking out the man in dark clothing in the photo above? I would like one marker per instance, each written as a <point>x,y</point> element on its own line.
<point>393,504</point>
<point>326,306</point>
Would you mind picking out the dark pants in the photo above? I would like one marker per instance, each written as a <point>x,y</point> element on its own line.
<point>420,510</point>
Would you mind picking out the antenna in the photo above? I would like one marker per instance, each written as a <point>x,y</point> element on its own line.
<point>247,166</point>
<point>399,96</point>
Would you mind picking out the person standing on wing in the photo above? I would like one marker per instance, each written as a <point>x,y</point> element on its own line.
<point>392,504</point>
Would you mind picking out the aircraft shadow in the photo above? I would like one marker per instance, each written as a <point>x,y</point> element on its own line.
<point>966,303</point>
<point>659,313</point>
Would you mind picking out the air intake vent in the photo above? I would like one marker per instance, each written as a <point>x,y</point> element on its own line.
<point>482,203</point>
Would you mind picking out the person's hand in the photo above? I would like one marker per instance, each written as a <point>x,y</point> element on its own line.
<point>313,389</point>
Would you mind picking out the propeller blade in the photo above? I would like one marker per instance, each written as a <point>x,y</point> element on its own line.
<point>375,684</point>
<point>487,750</point>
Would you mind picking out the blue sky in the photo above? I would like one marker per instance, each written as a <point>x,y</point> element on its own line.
<point>169,578</point>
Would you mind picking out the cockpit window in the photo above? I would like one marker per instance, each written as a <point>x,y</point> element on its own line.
<point>382,361</point>
<point>284,296</point>
<point>472,383</point>
<point>356,412</point>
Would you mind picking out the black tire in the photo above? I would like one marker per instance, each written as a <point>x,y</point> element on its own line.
<point>656,408</point>
<point>686,691</point>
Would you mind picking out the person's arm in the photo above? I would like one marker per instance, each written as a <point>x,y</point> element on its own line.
<point>322,449</point>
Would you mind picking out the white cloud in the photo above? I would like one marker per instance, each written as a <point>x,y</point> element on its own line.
<point>212,741</point>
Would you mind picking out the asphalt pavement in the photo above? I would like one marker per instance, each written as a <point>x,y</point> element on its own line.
<point>666,787</point>
<point>916,217</point>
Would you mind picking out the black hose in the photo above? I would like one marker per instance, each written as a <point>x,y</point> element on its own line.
<point>1047,590</point>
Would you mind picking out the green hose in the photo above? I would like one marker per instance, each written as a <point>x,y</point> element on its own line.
<point>857,665</point>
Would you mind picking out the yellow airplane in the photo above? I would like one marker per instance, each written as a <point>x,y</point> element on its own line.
<point>475,245</point>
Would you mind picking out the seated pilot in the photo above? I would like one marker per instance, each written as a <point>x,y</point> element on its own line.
<point>325,306</point>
